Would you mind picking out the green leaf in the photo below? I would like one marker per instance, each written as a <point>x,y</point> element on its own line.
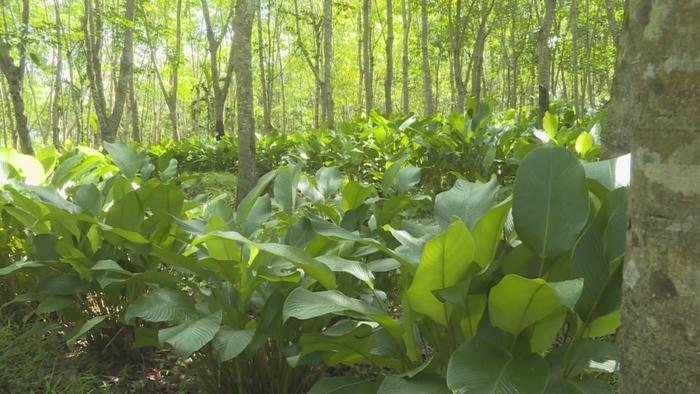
<point>285,187</point>
<point>550,123</point>
<point>445,262</point>
<point>559,385</point>
<point>422,384</point>
<point>126,213</point>
<point>229,343</point>
<point>296,256</point>
<point>192,335</point>
<point>354,195</point>
<point>343,385</point>
<point>479,367</point>
<point>88,198</point>
<point>161,305</point>
<point>354,268</point>
<point>87,326</point>
<point>550,200</point>
<point>328,180</point>
<point>474,305</point>
<point>18,265</point>
<point>488,232</point>
<point>516,303</point>
<point>303,304</point>
<point>544,332</point>
<point>465,200</point>
<point>246,205</point>
<point>53,304</point>
<point>584,143</point>
<point>125,157</point>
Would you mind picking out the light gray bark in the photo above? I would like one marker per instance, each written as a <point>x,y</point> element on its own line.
<point>243,58</point>
<point>656,104</point>
<point>367,55</point>
<point>544,59</point>
<point>428,104</point>
<point>388,81</point>
<point>327,91</point>
<point>406,17</point>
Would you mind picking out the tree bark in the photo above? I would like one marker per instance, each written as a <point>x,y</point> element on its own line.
<point>612,21</point>
<point>406,24</point>
<point>134,111</point>
<point>367,55</point>
<point>242,32</point>
<point>327,91</point>
<point>220,84</point>
<point>15,79</point>
<point>388,81</point>
<point>543,59</point>
<point>58,72</point>
<point>428,105</point>
<point>573,21</point>
<point>658,108</point>
<point>92,31</point>
<point>267,123</point>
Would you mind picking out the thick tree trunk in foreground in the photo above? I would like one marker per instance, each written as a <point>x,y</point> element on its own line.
<point>15,78</point>
<point>243,58</point>
<point>658,108</point>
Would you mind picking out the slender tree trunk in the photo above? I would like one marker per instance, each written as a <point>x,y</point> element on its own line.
<point>220,84</point>
<point>58,72</point>
<point>15,79</point>
<point>428,105</point>
<point>388,81</point>
<point>612,21</point>
<point>366,55</point>
<point>543,59</point>
<point>134,111</point>
<point>92,30</point>
<point>658,108</point>
<point>243,28</point>
<point>406,24</point>
<point>267,123</point>
<point>574,59</point>
<point>328,106</point>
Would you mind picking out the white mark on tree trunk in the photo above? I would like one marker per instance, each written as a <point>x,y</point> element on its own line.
<point>631,274</point>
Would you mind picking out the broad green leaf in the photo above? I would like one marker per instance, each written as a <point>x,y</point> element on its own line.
<point>343,385</point>
<point>407,177</point>
<point>465,200</point>
<point>354,268</point>
<point>87,326</point>
<point>603,325</point>
<point>479,367</point>
<point>446,261</point>
<point>88,198</point>
<point>544,332</point>
<point>229,343</point>
<point>53,304</point>
<point>568,291</point>
<point>550,200</point>
<point>127,213</point>
<point>354,195</point>
<point>390,174</point>
<point>488,232</point>
<point>612,174</point>
<point>18,265</point>
<point>110,266</point>
<point>516,303</point>
<point>550,123</point>
<point>584,143</point>
<point>285,187</point>
<point>422,384</point>
<point>160,305</point>
<point>296,256</point>
<point>303,304</point>
<point>474,306</point>
<point>328,180</point>
<point>125,157</point>
<point>559,385</point>
<point>246,205</point>
<point>191,335</point>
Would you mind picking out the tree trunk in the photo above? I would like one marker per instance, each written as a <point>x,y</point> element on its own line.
<point>328,106</point>
<point>428,108</point>
<point>388,81</point>
<point>58,72</point>
<point>134,111</point>
<point>406,24</point>
<point>92,31</point>
<point>573,20</point>
<point>543,59</point>
<point>658,109</point>
<point>220,84</point>
<point>612,21</point>
<point>366,55</point>
<point>243,28</point>
<point>15,78</point>
<point>267,123</point>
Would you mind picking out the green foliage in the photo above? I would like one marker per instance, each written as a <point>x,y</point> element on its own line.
<point>329,270</point>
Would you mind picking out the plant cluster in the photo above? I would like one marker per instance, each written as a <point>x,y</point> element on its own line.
<point>496,289</point>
